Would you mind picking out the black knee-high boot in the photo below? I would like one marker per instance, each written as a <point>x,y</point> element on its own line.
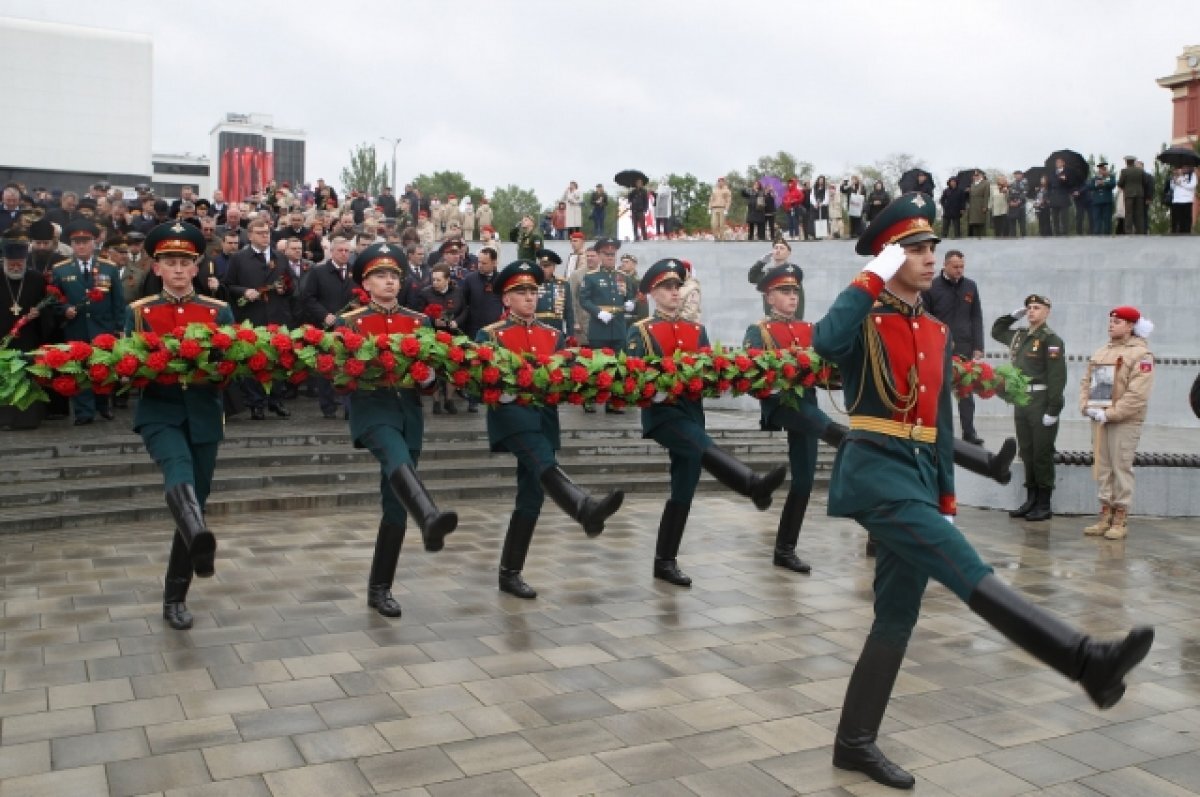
<point>581,507</point>
<point>1099,666</point>
<point>1031,499</point>
<point>383,569</point>
<point>867,697</point>
<point>738,476</point>
<point>175,585</point>
<point>512,558</point>
<point>435,525</point>
<point>790,521</point>
<point>189,522</point>
<point>670,535</point>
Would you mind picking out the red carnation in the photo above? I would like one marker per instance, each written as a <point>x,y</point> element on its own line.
<point>419,371</point>
<point>272,328</point>
<point>383,341</point>
<point>258,361</point>
<point>557,376</point>
<point>179,331</point>
<point>104,341</point>
<point>281,343</point>
<point>763,393</point>
<point>742,385</point>
<point>668,366</point>
<point>720,363</point>
<point>456,354</point>
<point>743,363</point>
<point>53,291</point>
<point>361,296</point>
<point>485,353</point>
<point>95,295</point>
<point>604,380</point>
<point>987,394</point>
<point>80,350</point>
<point>442,336</point>
<point>491,396</point>
<point>355,367</point>
<point>226,368</point>
<point>158,360</point>
<point>297,378</point>
<point>434,311</point>
<point>695,384</point>
<point>754,352</point>
<point>809,379</point>
<point>64,385</point>
<point>630,386</point>
<point>313,336</point>
<point>676,388</point>
<point>387,360</point>
<point>723,385</point>
<point>264,377</point>
<point>575,398</point>
<point>789,371</point>
<point>769,376</point>
<point>524,377</point>
<point>99,373</point>
<point>220,341</point>
<point>635,364</point>
<point>410,347</point>
<point>352,341</point>
<point>190,349</point>
<point>127,366</point>
<point>491,375</point>
<point>552,399</point>
<point>803,360</point>
<point>57,358</point>
<point>585,352</point>
<point>167,379</point>
<point>608,351</point>
<point>287,359</point>
<point>648,391</point>
<point>689,359</point>
<point>247,335</point>
<point>460,378</point>
<point>325,363</point>
<point>579,374</point>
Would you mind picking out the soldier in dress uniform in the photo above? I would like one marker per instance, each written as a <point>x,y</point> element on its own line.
<point>1040,355</point>
<point>83,316</point>
<point>531,434</point>
<point>677,423</point>
<point>388,422</point>
<point>894,475</point>
<point>609,299</point>
<point>527,238</point>
<point>805,424</point>
<point>181,425</point>
<point>554,306</point>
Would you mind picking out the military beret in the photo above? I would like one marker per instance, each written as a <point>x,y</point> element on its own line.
<point>175,238</point>
<point>518,273</point>
<point>1037,298</point>
<point>907,220</point>
<point>786,274</point>
<point>380,256</point>
<point>661,272</point>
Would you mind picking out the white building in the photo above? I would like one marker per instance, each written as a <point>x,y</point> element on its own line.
<point>64,126</point>
<point>173,172</point>
<point>247,151</point>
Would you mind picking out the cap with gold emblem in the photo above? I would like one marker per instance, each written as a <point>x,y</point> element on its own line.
<point>548,257</point>
<point>788,274</point>
<point>662,272</point>
<point>380,256</point>
<point>175,238</point>
<point>907,220</point>
<point>81,228</point>
<point>517,274</point>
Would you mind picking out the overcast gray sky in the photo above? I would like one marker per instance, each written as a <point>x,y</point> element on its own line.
<point>540,93</point>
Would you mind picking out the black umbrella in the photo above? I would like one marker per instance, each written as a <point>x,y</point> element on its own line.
<point>1074,164</point>
<point>909,181</point>
<point>1179,156</point>
<point>964,179</point>
<point>629,178</point>
<point>1034,175</point>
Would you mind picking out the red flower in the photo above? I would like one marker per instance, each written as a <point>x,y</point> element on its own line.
<point>689,359</point>
<point>355,368</point>
<point>410,347</point>
<point>557,376</point>
<point>325,363</point>
<point>524,377</point>
<point>158,360</point>
<point>264,377</point>
<point>485,353</point>
<point>104,341</point>
<point>491,396</point>
<point>95,295</point>
<point>763,393</point>
<point>552,399</point>
<point>57,358</point>
<point>648,391</point>
<point>127,366</point>
<point>220,341</point>
<point>64,385</point>
<point>167,379</point>
<point>579,374</point>
<point>695,384</point>
<point>387,360</point>
<point>769,376</point>
<point>809,379</point>
<point>178,331</point>
<point>281,343</point>
<point>247,335</point>
<point>668,366</point>
<point>585,352</point>
<point>803,360</point>
<point>720,363</point>
<point>723,385</point>
<point>272,328</point>
<point>313,336</point>
<point>743,363</point>
<point>460,378</point>
<point>352,341</point>
<point>99,373</point>
<point>635,364</point>
<point>226,368</point>
<point>420,371</point>
<point>575,398</point>
<point>297,377</point>
<point>607,351</point>
<point>630,386</point>
<point>456,354</point>
<point>442,336</point>
<point>258,361</point>
<point>383,341</point>
<point>434,311</point>
<point>676,388</point>
<point>789,371</point>
<point>80,350</point>
<point>604,380</point>
<point>754,352</point>
<point>287,359</point>
<point>741,385</point>
<point>53,290</point>
<point>361,296</point>
<point>491,375</point>
<point>190,349</point>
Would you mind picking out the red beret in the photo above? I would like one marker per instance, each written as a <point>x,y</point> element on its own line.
<point>1126,313</point>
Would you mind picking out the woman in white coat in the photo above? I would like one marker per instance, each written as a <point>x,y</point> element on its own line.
<point>573,198</point>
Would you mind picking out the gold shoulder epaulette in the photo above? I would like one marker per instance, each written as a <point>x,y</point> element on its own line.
<point>353,313</point>
<point>495,326</point>
<point>143,301</point>
<point>210,300</point>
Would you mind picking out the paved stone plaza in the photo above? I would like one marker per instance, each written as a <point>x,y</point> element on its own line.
<point>608,683</point>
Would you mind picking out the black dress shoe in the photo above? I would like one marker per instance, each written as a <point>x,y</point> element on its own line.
<point>280,410</point>
<point>788,559</point>
<point>177,616</point>
<point>380,599</point>
<point>258,414</point>
<point>668,570</point>
<point>868,759</point>
<point>83,421</point>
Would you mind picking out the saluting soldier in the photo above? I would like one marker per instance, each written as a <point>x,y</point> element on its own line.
<point>94,304</point>
<point>527,238</point>
<point>1040,355</point>
<point>554,306</point>
<point>181,426</point>
<point>609,299</point>
<point>531,434</point>
<point>388,422</point>
<point>677,423</point>
<point>806,423</point>
<point>894,476</point>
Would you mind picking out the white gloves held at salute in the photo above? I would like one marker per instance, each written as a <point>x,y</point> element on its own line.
<point>1020,312</point>
<point>885,264</point>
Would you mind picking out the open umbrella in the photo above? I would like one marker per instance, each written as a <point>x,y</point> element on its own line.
<point>629,178</point>
<point>1034,175</point>
<point>1179,156</point>
<point>909,181</point>
<point>776,187</point>
<point>1074,164</point>
<point>964,179</point>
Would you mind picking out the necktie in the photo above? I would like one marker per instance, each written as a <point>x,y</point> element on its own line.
<point>342,272</point>
<point>262,256</point>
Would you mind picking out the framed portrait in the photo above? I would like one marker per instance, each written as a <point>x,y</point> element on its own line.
<point>1100,387</point>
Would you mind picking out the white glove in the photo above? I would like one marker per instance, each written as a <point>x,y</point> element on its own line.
<point>1049,420</point>
<point>629,305</point>
<point>660,397</point>
<point>604,316</point>
<point>1020,312</point>
<point>885,264</point>
<point>507,398</point>
<point>429,380</point>
<point>949,519</point>
<point>1098,415</point>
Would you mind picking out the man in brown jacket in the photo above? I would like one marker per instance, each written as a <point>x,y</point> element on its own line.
<point>1132,182</point>
<point>718,206</point>
<point>1115,393</point>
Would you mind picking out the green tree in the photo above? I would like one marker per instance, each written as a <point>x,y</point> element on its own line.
<point>689,200</point>
<point>510,203</point>
<point>364,173</point>
<point>782,165</point>
<point>442,184</point>
<point>889,170</point>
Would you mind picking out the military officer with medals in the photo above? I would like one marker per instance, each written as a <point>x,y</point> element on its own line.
<point>181,425</point>
<point>527,238</point>
<point>894,475</point>
<point>1041,356</point>
<point>531,434</point>
<point>388,422</point>
<point>806,423</point>
<point>94,303</point>
<point>609,299</point>
<point>554,306</point>
<point>677,422</point>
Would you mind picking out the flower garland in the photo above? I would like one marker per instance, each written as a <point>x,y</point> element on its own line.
<point>981,379</point>
<point>199,354</point>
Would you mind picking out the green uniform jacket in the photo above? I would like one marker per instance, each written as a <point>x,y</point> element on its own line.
<point>399,408</point>
<point>1102,190</point>
<point>1040,355</point>
<point>874,469</point>
<point>808,402</point>
<point>505,420</point>
<point>554,305</point>
<point>642,343</point>
<point>92,318</point>
<point>199,406</point>
<point>607,290</point>
<point>528,244</point>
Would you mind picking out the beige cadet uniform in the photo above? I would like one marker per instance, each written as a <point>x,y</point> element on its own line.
<point>468,224</point>
<point>1116,440</point>
<point>483,215</point>
<point>718,206</point>
<point>451,216</point>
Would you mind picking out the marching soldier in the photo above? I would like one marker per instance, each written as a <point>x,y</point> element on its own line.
<point>388,422</point>
<point>527,238</point>
<point>1040,355</point>
<point>608,297</point>
<point>677,424</point>
<point>894,475</point>
<point>554,306</point>
<point>181,426</point>
<point>531,434</point>
<point>805,424</point>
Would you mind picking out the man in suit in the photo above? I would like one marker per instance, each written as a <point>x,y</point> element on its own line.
<point>260,284</point>
<point>1132,183</point>
<point>482,300</point>
<point>953,299</point>
<point>94,304</point>
<point>1059,197</point>
<point>293,229</point>
<point>325,292</point>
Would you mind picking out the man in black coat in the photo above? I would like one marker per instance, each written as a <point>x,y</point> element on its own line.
<point>1058,196</point>
<point>326,291</point>
<point>483,301</point>
<point>260,284</point>
<point>639,204</point>
<point>954,300</point>
<point>293,229</point>
<point>953,202</point>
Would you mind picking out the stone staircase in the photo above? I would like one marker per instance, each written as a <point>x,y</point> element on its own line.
<point>72,478</point>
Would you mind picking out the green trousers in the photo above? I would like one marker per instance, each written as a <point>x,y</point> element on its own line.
<point>1035,441</point>
<point>534,456</point>
<point>686,443</point>
<point>387,444</point>
<point>180,460</point>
